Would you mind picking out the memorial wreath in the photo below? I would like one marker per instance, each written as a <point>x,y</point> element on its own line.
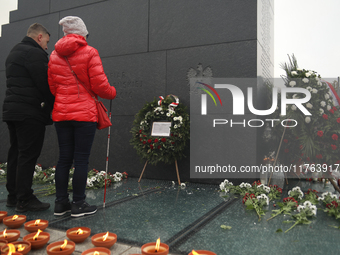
<point>157,147</point>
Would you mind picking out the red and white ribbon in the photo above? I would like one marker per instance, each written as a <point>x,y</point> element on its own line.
<point>160,101</point>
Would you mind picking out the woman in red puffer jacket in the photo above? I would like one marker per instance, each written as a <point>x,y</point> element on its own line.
<point>75,111</point>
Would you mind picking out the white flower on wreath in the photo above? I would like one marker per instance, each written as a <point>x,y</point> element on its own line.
<point>307,74</point>
<point>309,105</point>
<point>309,88</point>
<point>321,111</point>
<point>326,96</point>
<point>314,91</point>
<point>183,185</point>
<point>158,109</point>
<point>2,172</point>
<point>329,107</point>
<point>319,83</point>
<point>323,103</point>
<point>305,80</point>
<point>299,69</point>
<point>175,126</point>
<point>294,73</point>
<point>292,83</point>
<point>307,120</point>
<point>168,114</point>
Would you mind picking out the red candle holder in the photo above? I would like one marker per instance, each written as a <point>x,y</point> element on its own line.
<point>3,214</point>
<point>14,223</point>
<point>203,252</point>
<point>74,235</point>
<point>31,226</point>
<point>97,240</point>
<point>12,235</point>
<point>149,249</point>
<point>54,248</point>
<point>25,244</point>
<point>101,250</point>
<point>3,242</point>
<point>39,242</point>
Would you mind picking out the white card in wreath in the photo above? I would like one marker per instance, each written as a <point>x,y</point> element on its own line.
<point>161,128</point>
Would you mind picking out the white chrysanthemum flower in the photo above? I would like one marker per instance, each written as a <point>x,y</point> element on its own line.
<point>222,186</point>
<point>323,103</point>
<point>329,107</point>
<point>299,69</point>
<point>321,111</point>
<point>314,211</point>
<point>317,78</point>
<point>305,80</point>
<point>289,193</point>
<point>116,179</point>
<point>307,74</point>
<point>307,120</point>
<point>175,126</point>
<point>307,204</point>
<point>168,114</point>
<point>293,107</point>
<point>300,208</point>
<point>292,83</point>
<point>309,105</point>
<point>319,83</point>
<point>334,196</point>
<point>309,88</point>
<point>2,172</point>
<point>314,91</point>
<point>294,73</point>
<point>183,185</point>
<point>118,174</point>
<point>326,96</point>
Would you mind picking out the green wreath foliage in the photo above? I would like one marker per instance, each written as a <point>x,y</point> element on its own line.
<point>161,149</point>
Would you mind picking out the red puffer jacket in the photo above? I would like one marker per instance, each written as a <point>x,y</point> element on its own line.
<point>72,101</point>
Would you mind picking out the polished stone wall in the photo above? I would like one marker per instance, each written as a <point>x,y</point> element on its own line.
<point>147,48</point>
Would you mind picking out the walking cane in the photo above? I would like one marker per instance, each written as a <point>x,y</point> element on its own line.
<point>107,153</point>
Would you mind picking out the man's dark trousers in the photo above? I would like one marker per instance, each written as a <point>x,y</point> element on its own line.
<point>26,141</point>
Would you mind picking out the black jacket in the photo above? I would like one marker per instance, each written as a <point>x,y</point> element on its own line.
<point>28,94</point>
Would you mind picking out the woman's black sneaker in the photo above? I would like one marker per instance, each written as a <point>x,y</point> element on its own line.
<point>81,208</point>
<point>61,207</point>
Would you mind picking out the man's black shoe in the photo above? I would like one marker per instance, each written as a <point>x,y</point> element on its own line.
<point>11,201</point>
<point>33,204</point>
<point>81,208</point>
<point>62,207</point>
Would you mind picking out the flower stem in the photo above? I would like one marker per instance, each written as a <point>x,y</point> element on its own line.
<point>274,215</point>
<point>296,222</point>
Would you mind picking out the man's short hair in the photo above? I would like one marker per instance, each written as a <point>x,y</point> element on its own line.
<point>35,29</point>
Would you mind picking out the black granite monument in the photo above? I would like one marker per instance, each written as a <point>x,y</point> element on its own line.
<point>147,48</point>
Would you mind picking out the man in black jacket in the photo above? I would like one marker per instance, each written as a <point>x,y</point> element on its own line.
<point>26,110</point>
